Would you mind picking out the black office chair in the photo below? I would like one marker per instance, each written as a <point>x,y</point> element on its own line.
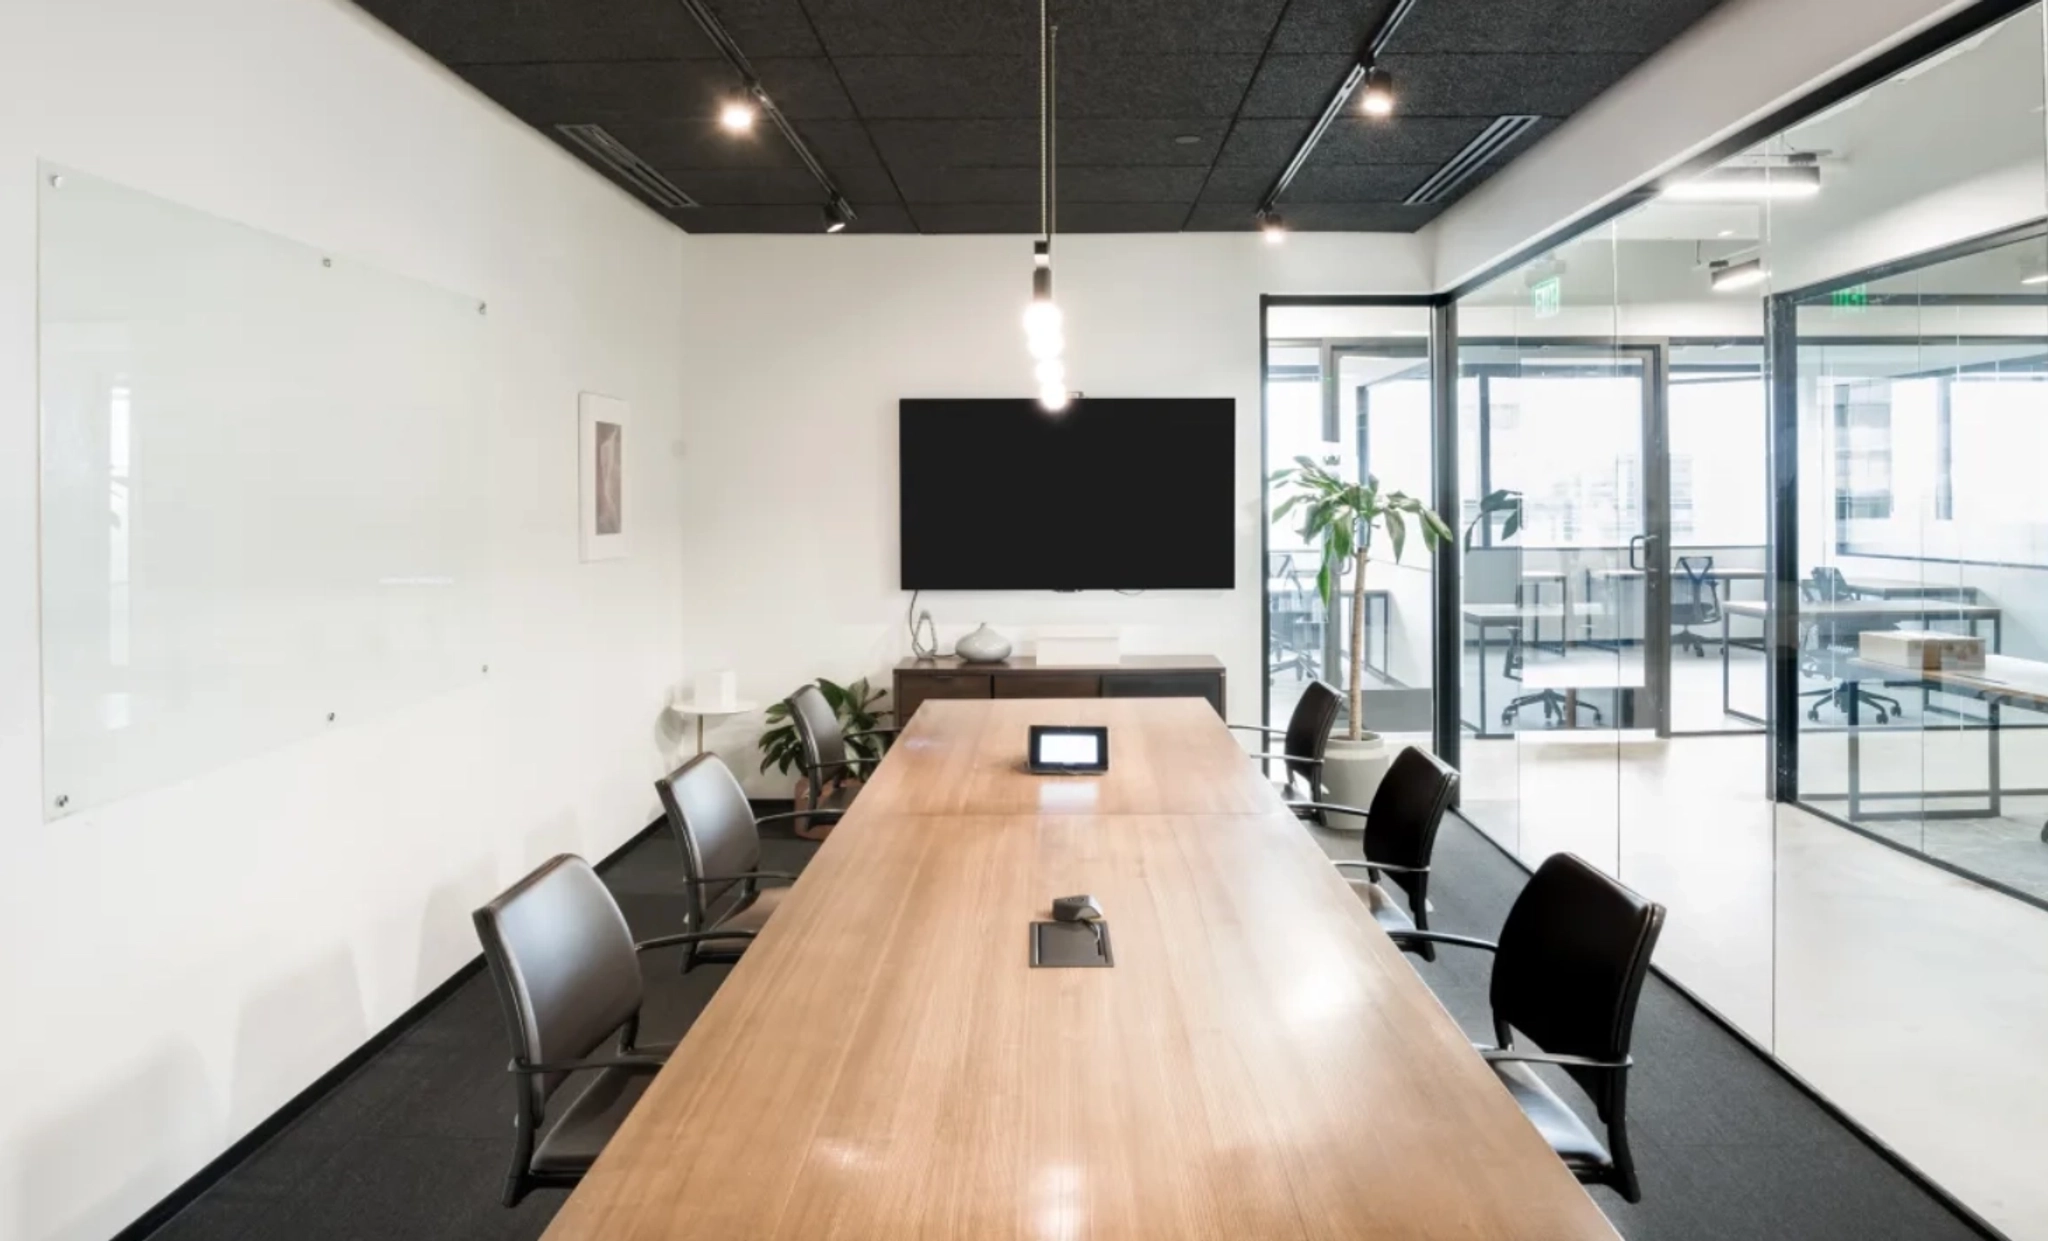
<point>721,843</point>
<point>1400,836</point>
<point>567,973</point>
<point>824,755</point>
<point>1567,973</point>
<point>1303,742</point>
<point>1829,647</point>
<point>1701,606</point>
<point>1555,704</point>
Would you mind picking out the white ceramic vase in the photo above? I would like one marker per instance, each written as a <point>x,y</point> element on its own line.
<point>1352,771</point>
<point>983,646</point>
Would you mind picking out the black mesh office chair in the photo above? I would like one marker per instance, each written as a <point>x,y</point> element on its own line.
<point>567,973</point>
<point>1303,742</point>
<point>825,756</point>
<point>1829,647</point>
<point>1555,703</point>
<point>1567,973</point>
<point>1699,605</point>
<point>721,844</point>
<point>1400,837</point>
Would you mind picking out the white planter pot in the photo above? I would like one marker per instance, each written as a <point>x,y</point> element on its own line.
<point>1352,771</point>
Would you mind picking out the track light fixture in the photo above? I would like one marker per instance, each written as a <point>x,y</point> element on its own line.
<point>1376,98</point>
<point>1273,227</point>
<point>837,215</point>
<point>1373,87</point>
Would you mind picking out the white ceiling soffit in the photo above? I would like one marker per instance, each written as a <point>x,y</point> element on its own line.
<point>1740,63</point>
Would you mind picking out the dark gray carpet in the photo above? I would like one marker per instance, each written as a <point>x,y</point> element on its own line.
<point>413,1146</point>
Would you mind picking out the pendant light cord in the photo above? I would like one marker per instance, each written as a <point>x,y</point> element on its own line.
<point>1044,123</point>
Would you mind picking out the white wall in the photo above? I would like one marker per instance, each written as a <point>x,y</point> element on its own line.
<point>1738,64</point>
<point>180,963</point>
<point>794,365</point>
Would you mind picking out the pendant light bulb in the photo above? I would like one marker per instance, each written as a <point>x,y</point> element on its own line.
<point>1052,400</point>
<point>1051,373</point>
<point>1043,318</point>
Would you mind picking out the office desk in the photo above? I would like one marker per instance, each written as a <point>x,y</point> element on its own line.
<point>1906,588</point>
<point>1920,611</point>
<point>1533,583</point>
<point>1260,1062</point>
<point>2002,680</point>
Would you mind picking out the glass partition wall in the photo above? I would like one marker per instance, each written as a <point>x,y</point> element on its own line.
<point>1349,385</point>
<point>1754,592</point>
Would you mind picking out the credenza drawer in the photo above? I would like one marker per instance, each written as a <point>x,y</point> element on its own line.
<point>1049,685</point>
<point>912,688</point>
<point>1207,685</point>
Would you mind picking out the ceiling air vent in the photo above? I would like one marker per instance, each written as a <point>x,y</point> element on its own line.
<point>630,168</point>
<point>1492,140</point>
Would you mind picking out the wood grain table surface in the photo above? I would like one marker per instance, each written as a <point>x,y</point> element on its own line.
<point>1261,1064</point>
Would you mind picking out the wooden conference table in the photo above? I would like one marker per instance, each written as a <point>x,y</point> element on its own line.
<point>884,1065</point>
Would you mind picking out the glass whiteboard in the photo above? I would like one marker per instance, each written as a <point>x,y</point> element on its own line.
<point>262,491</point>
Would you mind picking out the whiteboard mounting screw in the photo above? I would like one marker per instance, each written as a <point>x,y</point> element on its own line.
<point>330,717</point>
<point>56,180</point>
<point>487,667</point>
<point>326,262</point>
<point>63,800</point>
<point>483,308</point>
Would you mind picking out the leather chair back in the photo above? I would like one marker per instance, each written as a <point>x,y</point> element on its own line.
<point>1702,602</point>
<point>562,959</point>
<point>818,731</point>
<point>708,812</point>
<point>1406,811</point>
<point>1573,955</point>
<point>1308,730</point>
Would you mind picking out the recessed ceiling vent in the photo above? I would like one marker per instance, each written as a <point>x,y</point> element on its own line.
<point>1492,140</point>
<point>630,168</point>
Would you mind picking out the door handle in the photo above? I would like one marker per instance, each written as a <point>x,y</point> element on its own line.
<point>1642,541</point>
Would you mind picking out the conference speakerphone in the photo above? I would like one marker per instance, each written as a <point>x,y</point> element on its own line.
<point>1069,750</point>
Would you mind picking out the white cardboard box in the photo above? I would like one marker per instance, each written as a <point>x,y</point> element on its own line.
<point>1922,649</point>
<point>1070,648</point>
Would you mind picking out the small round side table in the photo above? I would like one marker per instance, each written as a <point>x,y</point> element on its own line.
<point>736,707</point>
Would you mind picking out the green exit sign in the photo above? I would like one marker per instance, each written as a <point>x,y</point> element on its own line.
<point>1854,298</point>
<point>1547,296</point>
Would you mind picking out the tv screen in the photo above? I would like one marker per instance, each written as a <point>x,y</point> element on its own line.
<point>1105,495</point>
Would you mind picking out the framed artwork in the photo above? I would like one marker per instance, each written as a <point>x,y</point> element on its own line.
<point>602,423</point>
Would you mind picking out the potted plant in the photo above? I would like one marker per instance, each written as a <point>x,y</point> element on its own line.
<point>1342,517</point>
<point>857,706</point>
<point>1501,501</point>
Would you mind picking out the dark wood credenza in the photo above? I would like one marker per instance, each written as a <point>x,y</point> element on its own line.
<point>1133,676</point>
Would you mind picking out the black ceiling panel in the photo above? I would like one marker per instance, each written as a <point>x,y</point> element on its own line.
<point>1121,26</point>
<point>1147,85</point>
<point>881,218</point>
<point>1315,217</point>
<point>468,32</point>
<point>974,217</point>
<point>924,113</point>
<point>1296,85</point>
<point>942,87</point>
<point>546,95</point>
<point>741,187</point>
<point>1552,26</point>
<point>1494,84</point>
<point>1339,26</point>
<point>1007,143</point>
<point>1338,183</point>
<point>698,142</point>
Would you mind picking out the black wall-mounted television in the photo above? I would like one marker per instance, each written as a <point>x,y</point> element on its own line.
<point>1109,494</point>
